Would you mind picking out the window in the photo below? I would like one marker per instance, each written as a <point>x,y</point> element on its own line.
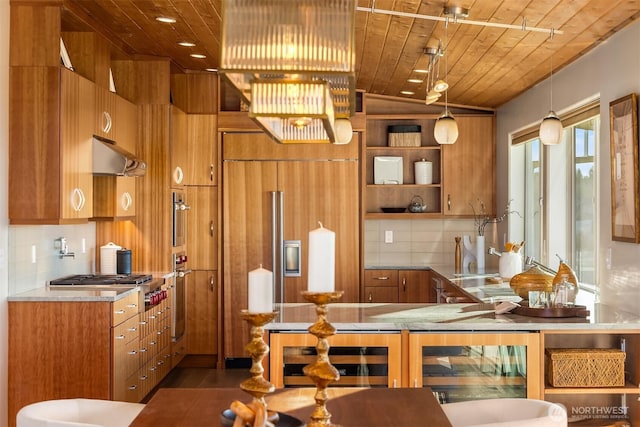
<point>555,190</point>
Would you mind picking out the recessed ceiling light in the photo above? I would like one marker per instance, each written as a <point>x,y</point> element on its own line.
<point>187,44</point>
<point>166,19</point>
<point>414,81</point>
<point>421,71</point>
<point>198,55</point>
<point>213,70</point>
<point>407,92</point>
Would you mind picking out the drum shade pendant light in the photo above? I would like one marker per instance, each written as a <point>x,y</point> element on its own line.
<point>446,128</point>
<point>293,62</point>
<point>551,126</point>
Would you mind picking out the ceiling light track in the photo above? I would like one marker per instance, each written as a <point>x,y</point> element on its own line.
<point>459,20</point>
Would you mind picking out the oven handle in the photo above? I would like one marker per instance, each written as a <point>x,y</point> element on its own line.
<point>182,273</point>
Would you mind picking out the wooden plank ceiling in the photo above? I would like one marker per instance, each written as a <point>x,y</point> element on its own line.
<point>486,66</point>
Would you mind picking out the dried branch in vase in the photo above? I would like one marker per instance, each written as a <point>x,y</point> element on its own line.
<point>481,218</point>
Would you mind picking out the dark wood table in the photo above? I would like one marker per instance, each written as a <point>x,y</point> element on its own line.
<point>349,407</point>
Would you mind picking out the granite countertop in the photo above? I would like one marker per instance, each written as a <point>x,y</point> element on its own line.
<point>108,293</point>
<point>297,317</point>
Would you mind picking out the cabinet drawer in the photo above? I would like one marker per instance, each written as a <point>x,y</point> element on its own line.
<point>376,294</point>
<point>127,361</point>
<point>130,389</point>
<point>125,308</point>
<point>381,277</point>
<point>125,332</point>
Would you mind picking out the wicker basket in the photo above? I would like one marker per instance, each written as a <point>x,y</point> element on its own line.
<point>404,136</point>
<point>585,367</point>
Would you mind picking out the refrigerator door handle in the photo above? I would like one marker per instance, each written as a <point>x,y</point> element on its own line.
<point>280,246</point>
<point>274,243</point>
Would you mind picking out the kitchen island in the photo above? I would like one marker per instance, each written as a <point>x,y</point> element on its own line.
<point>460,351</point>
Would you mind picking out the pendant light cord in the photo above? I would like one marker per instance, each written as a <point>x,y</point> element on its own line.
<point>551,73</point>
<point>446,64</point>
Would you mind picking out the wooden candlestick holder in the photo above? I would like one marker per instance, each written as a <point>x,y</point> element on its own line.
<point>321,372</point>
<point>257,386</point>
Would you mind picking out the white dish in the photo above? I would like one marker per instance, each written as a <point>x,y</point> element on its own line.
<point>387,170</point>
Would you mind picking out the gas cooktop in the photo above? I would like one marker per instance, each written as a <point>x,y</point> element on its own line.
<point>102,279</point>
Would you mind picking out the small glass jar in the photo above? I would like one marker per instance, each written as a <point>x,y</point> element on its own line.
<point>565,293</point>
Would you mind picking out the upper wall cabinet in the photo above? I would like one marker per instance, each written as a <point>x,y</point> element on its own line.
<point>51,124</point>
<point>469,168</point>
<point>400,137</point>
<point>178,147</point>
<point>116,119</point>
<point>202,153</point>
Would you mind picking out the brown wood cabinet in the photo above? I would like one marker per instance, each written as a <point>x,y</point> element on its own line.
<point>381,286</point>
<point>312,191</point>
<point>202,230</point>
<point>114,197</point>
<point>202,150</point>
<point>413,286</point>
<point>116,119</point>
<point>391,286</point>
<point>50,155</point>
<point>469,168</point>
<point>68,349</point>
<point>202,313</point>
<point>178,147</point>
<point>462,173</point>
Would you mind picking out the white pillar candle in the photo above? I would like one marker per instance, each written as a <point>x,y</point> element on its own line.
<point>260,291</point>
<point>322,260</point>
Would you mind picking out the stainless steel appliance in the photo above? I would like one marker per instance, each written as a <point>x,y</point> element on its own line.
<point>151,291</point>
<point>101,279</point>
<point>179,300</point>
<point>179,219</point>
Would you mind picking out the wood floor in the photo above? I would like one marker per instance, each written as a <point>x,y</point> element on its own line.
<point>190,377</point>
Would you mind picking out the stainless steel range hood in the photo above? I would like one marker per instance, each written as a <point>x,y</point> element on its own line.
<point>109,159</point>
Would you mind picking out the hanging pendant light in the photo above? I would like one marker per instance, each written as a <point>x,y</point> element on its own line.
<point>293,63</point>
<point>446,128</point>
<point>434,51</point>
<point>551,126</point>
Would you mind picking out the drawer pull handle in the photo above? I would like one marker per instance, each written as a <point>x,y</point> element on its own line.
<point>120,337</point>
<point>119,312</point>
<point>381,278</point>
<point>132,305</point>
<point>132,329</point>
<point>133,387</point>
<point>153,368</point>
<point>143,350</point>
<point>152,342</point>
<point>144,322</point>
<point>395,383</point>
<point>370,297</point>
<point>133,352</point>
<point>143,378</point>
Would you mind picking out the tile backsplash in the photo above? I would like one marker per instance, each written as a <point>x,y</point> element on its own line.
<point>34,254</point>
<point>420,242</point>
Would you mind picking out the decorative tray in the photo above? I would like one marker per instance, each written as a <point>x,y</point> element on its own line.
<point>575,311</point>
